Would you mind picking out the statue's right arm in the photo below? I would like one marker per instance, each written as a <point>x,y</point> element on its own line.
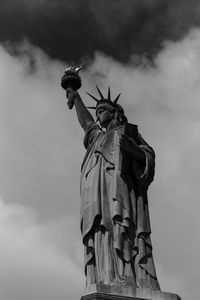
<point>84,116</point>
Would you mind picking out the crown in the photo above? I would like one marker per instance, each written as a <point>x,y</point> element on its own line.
<point>104,100</point>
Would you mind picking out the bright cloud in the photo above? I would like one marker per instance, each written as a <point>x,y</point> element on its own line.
<point>32,265</point>
<point>41,155</point>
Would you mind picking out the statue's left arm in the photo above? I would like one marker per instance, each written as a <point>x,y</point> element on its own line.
<point>143,156</point>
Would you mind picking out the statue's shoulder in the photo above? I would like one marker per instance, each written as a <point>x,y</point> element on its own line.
<point>91,134</point>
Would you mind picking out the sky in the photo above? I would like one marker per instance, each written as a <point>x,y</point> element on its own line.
<point>150,52</point>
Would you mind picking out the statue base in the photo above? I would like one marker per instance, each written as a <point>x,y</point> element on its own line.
<point>107,292</point>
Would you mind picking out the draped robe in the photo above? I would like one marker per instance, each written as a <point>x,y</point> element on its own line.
<point>115,222</point>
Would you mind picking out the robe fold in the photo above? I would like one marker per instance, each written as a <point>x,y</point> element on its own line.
<point>115,222</point>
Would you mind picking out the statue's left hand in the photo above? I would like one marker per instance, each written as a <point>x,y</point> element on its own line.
<point>129,145</point>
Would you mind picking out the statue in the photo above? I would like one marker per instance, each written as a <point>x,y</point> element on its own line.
<point>116,172</point>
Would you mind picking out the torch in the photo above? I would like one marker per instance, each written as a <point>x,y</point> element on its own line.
<point>71,79</point>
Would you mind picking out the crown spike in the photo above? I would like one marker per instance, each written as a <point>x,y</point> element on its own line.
<point>117,98</point>
<point>100,93</point>
<point>92,97</point>
<point>109,97</point>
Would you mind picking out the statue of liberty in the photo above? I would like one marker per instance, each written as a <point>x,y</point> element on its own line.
<point>116,172</point>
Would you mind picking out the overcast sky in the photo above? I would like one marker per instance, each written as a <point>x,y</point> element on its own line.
<point>156,67</point>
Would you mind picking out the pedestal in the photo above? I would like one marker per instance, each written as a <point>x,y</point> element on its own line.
<point>106,292</point>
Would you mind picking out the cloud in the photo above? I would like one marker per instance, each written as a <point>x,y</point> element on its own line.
<point>32,265</point>
<point>42,149</point>
<point>36,134</point>
<point>69,30</point>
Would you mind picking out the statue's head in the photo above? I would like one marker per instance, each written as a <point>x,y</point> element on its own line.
<point>108,110</point>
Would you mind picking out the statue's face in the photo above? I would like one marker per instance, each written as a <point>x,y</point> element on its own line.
<point>104,115</point>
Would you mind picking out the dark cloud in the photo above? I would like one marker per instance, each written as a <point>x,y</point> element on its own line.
<point>69,30</point>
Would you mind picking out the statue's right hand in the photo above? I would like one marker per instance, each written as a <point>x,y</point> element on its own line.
<point>71,95</point>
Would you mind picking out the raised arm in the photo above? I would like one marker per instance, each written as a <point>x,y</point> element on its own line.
<point>84,116</point>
